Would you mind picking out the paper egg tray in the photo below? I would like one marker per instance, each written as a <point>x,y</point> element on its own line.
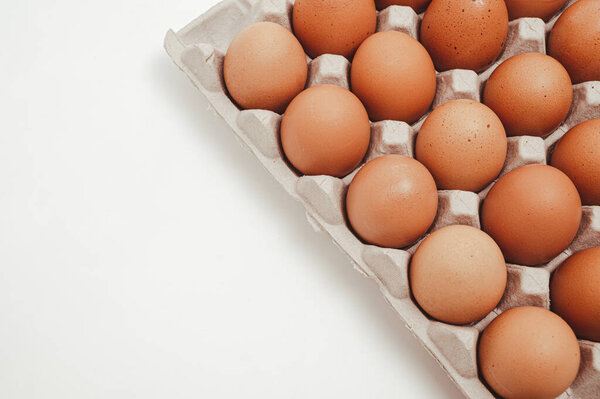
<point>198,49</point>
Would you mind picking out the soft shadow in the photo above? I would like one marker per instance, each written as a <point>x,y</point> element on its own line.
<point>217,135</point>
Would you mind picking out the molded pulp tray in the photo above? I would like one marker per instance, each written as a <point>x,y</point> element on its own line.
<point>198,49</point>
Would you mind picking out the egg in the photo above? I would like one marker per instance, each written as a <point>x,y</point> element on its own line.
<point>531,93</point>
<point>333,26</point>
<point>325,131</point>
<point>578,155</point>
<point>528,353</point>
<point>533,9</point>
<point>575,40</point>
<point>458,274</point>
<point>575,293</point>
<point>464,34</point>
<point>417,5</point>
<point>533,213</point>
<point>264,67</point>
<point>393,76</point>
<point>463,144</point>
<point>392,201</point>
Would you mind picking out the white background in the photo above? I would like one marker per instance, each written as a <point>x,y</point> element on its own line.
<point>144,253</point>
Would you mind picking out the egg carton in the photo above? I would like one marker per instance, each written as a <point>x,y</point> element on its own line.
<point>198,49</point>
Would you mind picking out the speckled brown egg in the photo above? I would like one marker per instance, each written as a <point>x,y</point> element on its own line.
<point>531,93</point>
<point>417,5</point>
<point>575,40</point>
<point>458,274</point>
<point>393,76</point>
<point>578,155</point>
<point>333,26</point>
<point>464,34</point>
<point>543,9</point>
<point>391,201</point>
<point>528,353</point>
<point>533,213</point>
<point>325,131</point>
<point>575,293</point>
<point>463,144</point>
<point>265,67</point>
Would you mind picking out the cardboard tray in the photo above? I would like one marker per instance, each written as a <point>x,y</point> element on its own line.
<point>198,50</point>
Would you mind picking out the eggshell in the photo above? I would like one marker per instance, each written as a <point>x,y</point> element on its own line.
<point>265,67</point>
<point>531,93</point>
<point>391,201</point>
<point>543,9</point>
<point>333,26</point>
<point>463,144</point>
<point>325,131</point>
<point>575,40</point>
<point>458,274</point>
<point>528,353</point>
<point>417,5</point>
<point>578,155</point>
<point>575,293</point>
<point>393,76</point>
<point>464,34</point>
<point>533,213</point>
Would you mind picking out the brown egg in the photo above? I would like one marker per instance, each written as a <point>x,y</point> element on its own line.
<point>528,353</point>
<point>333,26</point>
<point>575,40</point>
<point>533,213</point>
<point>463,144</point>
<point>392,201</point>
<point>575,293</point>
<point>458,274</point>
<point>325,131</point>
<point>417,5</point>
<point>531,93</point>
<point>464,34</point>
<point>578,155</point>
<point>393,76</point>
<point>265,67</point>
<point>528,8</point>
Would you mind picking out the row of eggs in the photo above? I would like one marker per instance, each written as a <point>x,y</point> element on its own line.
<point>265,65</point>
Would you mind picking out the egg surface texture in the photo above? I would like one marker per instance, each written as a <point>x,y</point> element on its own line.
<point>578,155</point>
<point>463,144</point>
<point>391,201</point>
<point>531,93</point>
<point>575,40</point>
<point>458,274</point>
<point>417,5</point>
<point>543,9</point>
<point>533,213</point>
<point>333,26</point>
<point>265,67</point>
<point>528,353</point>
<point>325,131</point>
<point>393,76</point>
<point>464,34</point>
<point>575,293</point>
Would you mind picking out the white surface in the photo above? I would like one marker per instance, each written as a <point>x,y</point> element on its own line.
<point>144,253</point>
